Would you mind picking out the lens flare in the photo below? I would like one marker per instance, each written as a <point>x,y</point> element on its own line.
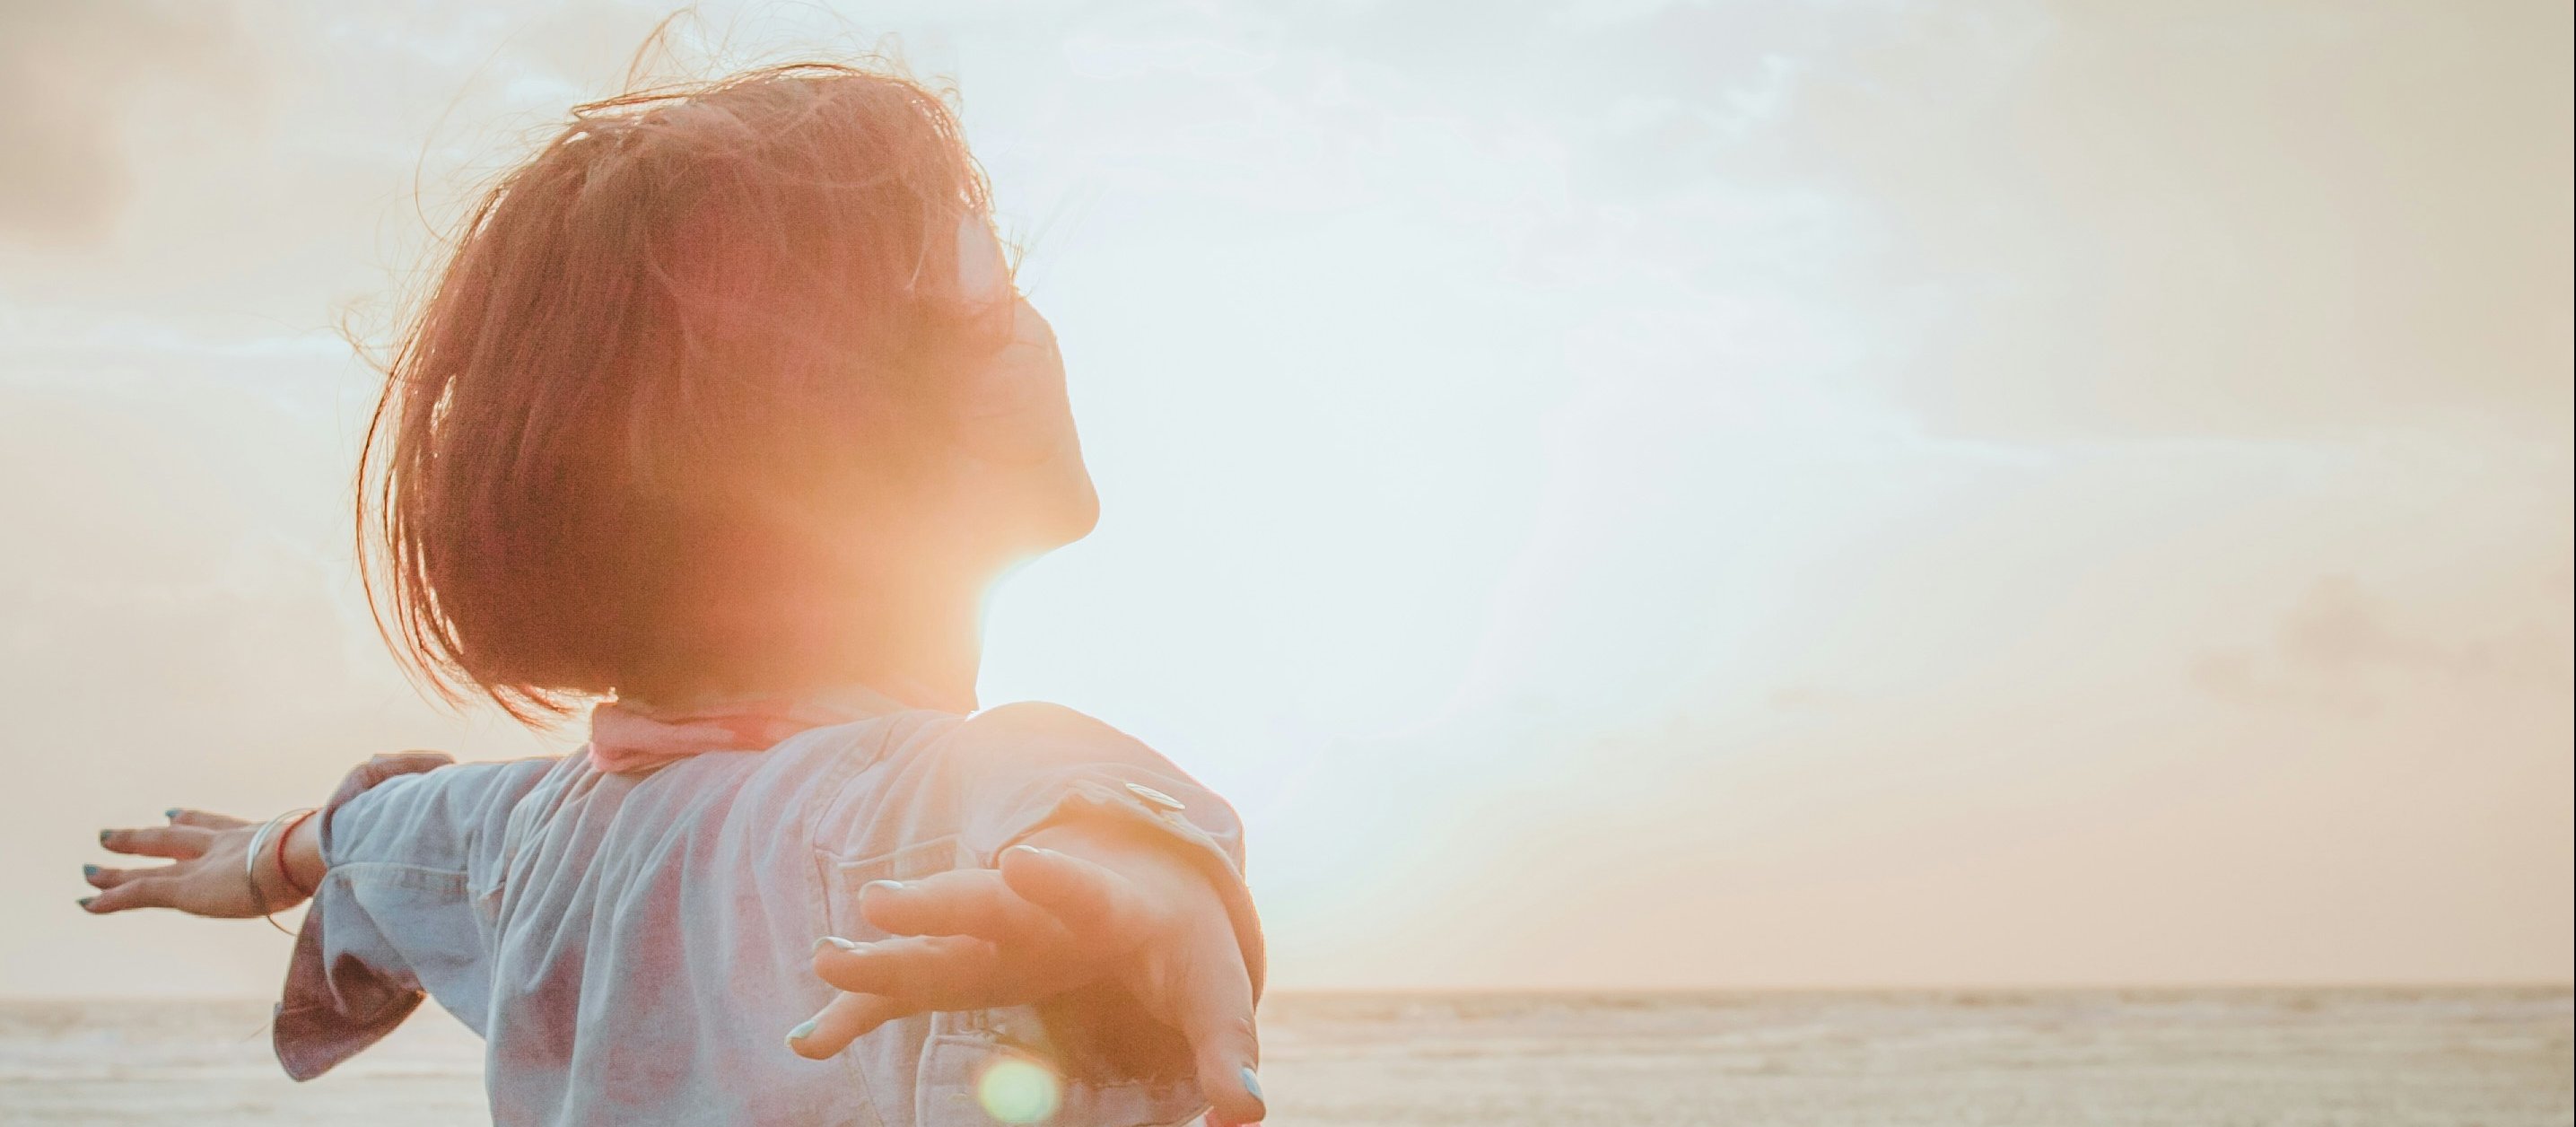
<point>1018,1091</point>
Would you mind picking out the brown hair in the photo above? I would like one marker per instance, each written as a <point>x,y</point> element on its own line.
<point>613,435</point>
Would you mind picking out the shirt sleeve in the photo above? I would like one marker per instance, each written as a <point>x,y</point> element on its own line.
<point>402,840</point>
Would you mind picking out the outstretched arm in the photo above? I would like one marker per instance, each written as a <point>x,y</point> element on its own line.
<point>386,863</point>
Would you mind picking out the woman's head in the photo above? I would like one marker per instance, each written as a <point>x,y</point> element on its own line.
<point>717,378</point>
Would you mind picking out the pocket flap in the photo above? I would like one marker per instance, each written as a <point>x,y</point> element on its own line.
<point>843,878</point>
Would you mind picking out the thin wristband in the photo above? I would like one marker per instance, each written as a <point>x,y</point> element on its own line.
<point>250,858</point>
<point>283,836</point>
<point>250,867</point>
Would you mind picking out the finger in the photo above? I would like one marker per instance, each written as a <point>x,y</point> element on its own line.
<point>175,842</point>
<point>846,1018</point>
<point>933,973</point>
<point>203,819</point>
<point>1216,1015</point>
<point>1096,904</point>
<point>101,876</point>
<point>962,902</point>
<point>144,892</point>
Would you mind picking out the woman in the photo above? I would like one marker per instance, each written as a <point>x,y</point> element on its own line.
<point>721,418</point>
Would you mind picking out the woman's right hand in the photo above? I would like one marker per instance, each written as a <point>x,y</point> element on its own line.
<point>205,876</point>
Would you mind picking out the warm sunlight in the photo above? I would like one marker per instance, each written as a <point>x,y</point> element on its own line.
<point>1498,488</point>
<point>1643,496</point>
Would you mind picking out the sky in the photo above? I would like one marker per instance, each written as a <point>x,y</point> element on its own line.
<point>1621,495</point>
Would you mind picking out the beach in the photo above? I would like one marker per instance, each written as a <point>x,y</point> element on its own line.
<point>2297,1058</point>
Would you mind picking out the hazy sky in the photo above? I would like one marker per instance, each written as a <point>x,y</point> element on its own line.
<point>1637,494</point>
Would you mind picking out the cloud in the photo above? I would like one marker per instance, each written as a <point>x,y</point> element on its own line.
<point>2205,219</point>
<point>70,77</point>
<point>2083,221</point>
<point>2342,647</point>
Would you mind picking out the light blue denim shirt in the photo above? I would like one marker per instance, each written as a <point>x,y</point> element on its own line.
<point>632,948</point>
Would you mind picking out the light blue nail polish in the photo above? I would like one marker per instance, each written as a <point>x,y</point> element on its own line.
<point>89,870</point>
<point>102,836</point>
<point>84,901</point>
<point>1252,1086</point>
<point>802,1031</point>
<point>172,813</point>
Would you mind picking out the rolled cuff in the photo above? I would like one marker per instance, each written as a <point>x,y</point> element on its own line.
<point>1214,848</point>
<point>332,1009</point>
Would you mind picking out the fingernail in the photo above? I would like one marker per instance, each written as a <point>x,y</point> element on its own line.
<point>172,813</point>
<point>888,885</point>
<point>843,945</point>
<point>102,836</point>
<point>1252,1087</point>
<point>89,870</point>
<point>84,901</point>
<point>803,1030</point>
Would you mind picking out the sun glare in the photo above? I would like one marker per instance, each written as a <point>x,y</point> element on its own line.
<point>1015,1090</point>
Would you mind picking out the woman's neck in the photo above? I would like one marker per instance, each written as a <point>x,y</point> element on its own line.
<point>928,663</point>
<point>924,652</point>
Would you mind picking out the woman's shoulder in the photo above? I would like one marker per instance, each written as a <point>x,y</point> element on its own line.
<point>1034,718</point>
<point>1040,730</point>
<point>940,750</point>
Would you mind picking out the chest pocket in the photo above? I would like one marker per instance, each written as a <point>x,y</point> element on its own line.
<point>843,878</point>
<point>886,1063</point>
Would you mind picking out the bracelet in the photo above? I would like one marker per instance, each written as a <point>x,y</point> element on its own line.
<point>250,863</point>
<point>283,836</point>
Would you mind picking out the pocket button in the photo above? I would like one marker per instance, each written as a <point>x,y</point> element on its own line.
<point>1154,797</point>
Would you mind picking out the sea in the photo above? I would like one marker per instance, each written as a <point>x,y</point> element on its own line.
<point>2207,1058</point>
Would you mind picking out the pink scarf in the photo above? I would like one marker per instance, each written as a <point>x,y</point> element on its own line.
<point>630,737</point>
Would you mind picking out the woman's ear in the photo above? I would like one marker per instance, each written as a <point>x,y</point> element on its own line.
<point>1014,424</point>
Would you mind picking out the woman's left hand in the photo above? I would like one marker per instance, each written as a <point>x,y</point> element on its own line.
<point>1075,906</point>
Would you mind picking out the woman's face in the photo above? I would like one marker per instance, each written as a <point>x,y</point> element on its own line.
<point>1024,475</point>
<point>1024,481</point>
